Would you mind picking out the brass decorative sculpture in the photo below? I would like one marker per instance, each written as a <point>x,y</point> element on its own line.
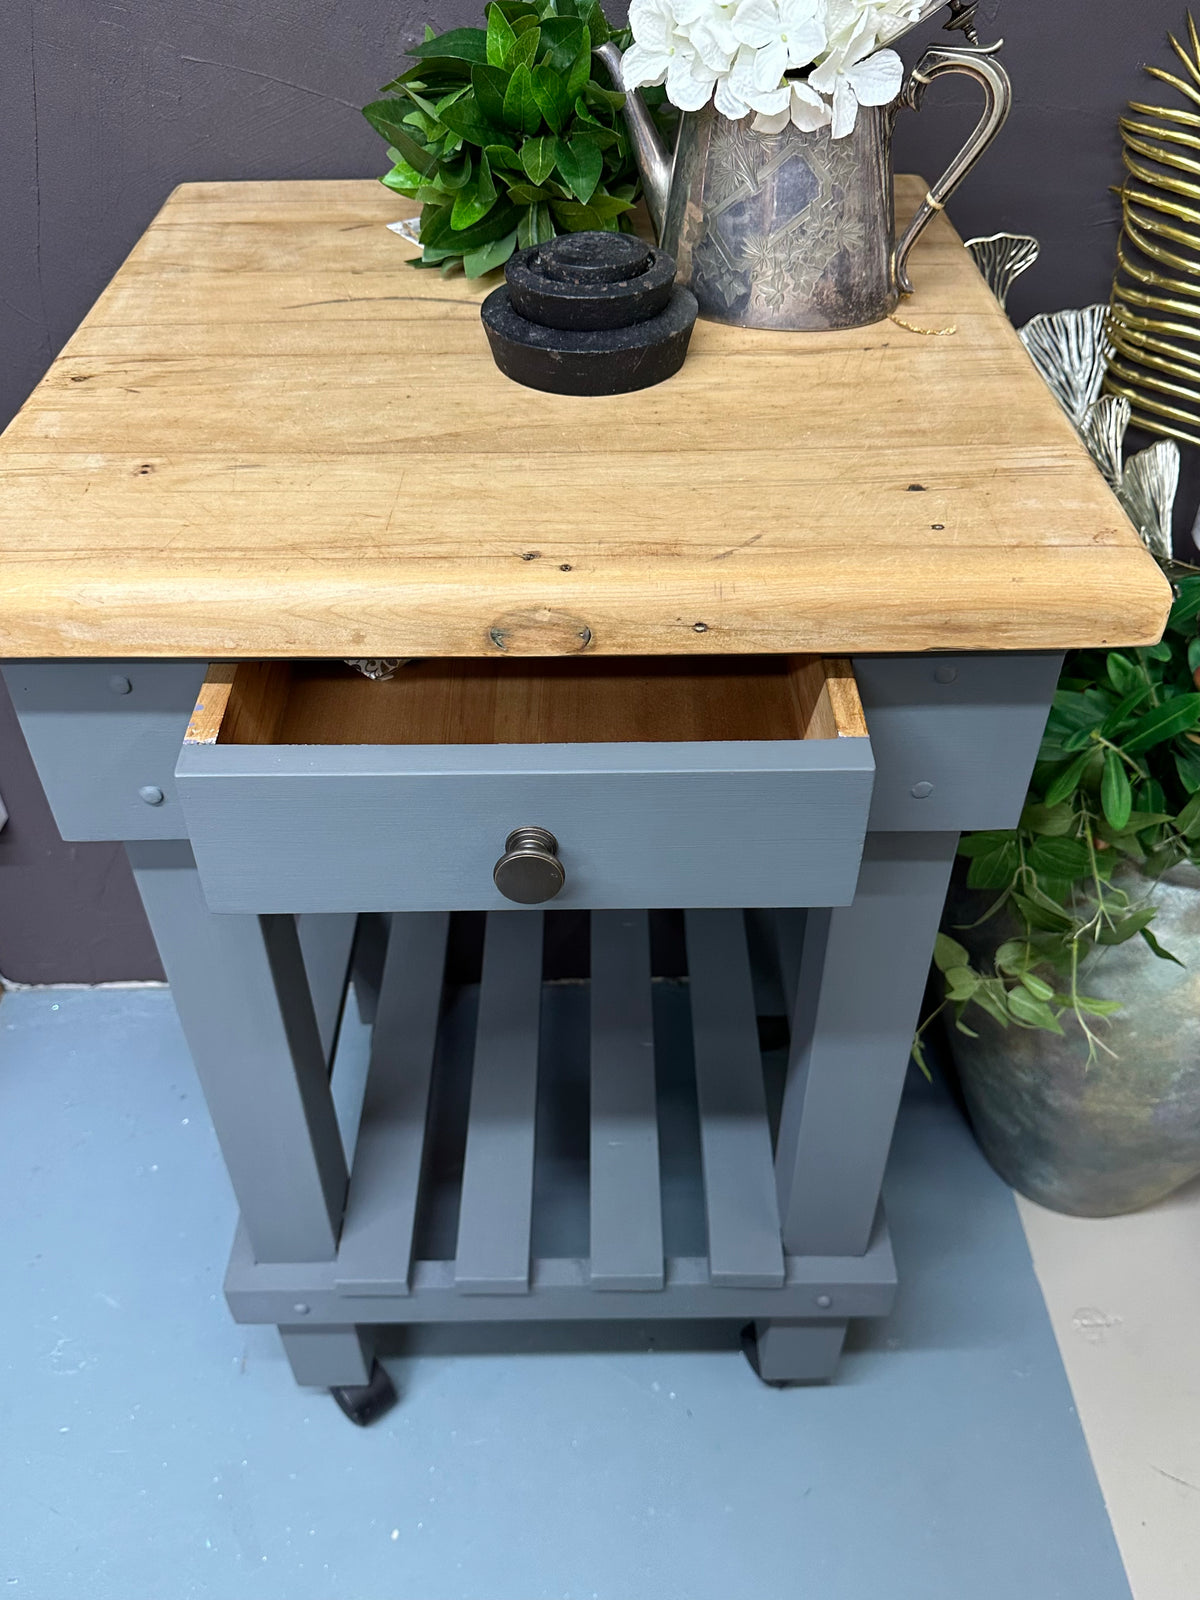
<point>1154,321</point>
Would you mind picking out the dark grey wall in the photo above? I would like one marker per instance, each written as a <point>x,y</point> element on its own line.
<point>104,107</point>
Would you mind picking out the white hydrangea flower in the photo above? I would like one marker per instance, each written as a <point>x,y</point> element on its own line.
<point>708,24</point>
<point>782,33</point>
<point>738,54</point>
<point>806,110</point>
<point>662,53</point>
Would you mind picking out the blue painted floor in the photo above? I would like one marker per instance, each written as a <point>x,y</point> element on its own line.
<point>151,1450</point>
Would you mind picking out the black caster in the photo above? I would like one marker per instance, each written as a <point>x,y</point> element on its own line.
<point>365,1403</point>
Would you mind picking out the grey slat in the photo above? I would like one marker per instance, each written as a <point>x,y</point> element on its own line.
<point>744,1245</point>
<point>377,1234</point>
<point>626,1198</point>
<point>497,1188</point>
<point>326,943</point>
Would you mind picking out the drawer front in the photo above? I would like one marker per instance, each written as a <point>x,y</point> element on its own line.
<point>387,828</point>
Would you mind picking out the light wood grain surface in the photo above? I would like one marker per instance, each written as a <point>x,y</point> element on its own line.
<point>271,437</point>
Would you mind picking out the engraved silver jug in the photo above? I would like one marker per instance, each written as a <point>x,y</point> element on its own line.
<point>792,229</point>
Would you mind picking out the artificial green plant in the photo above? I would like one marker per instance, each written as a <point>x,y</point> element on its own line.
<point>1117,782</point>
<point>509,134</point>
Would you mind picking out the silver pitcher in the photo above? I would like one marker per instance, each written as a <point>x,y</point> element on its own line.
<point>791,229</point>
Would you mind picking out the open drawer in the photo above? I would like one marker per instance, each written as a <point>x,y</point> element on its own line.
<point>632,782</point>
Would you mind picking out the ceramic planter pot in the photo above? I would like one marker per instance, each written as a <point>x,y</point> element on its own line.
<point>1116,1135</point>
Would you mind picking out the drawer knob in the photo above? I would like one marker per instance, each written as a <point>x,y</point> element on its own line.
<point>529,871</point>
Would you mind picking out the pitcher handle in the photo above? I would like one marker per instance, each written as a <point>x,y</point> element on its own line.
<point>997,90</point>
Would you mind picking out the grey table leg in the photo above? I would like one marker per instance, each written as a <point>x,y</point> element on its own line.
<point>863,972</point>
<point>241,990</point>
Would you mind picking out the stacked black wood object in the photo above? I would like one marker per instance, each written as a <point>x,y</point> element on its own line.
<point>590,313</point>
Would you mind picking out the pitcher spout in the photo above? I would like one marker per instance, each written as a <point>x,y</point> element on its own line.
<point>649,152</point>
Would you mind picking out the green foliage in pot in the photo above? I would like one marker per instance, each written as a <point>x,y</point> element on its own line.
<point>506,137</point>
<point>1117,781</point>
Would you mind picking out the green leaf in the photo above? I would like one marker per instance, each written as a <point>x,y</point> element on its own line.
<point>1174,716</point>
<point>474,202</point>
<point>949,953</point>
<point>1097,1008</point>
<point>1158,652</point>
<point>466,119</point>
<point>1068,780</point>
<point>992,998</point>
<point>1116,797</point>
<point>995,869</point>
<point>1012,956</point>
<point>1127,927</point>
<point>500,37</point>
<point>454,175</point>
<point>961,983</point>
<point>1187,607</point>
<point>1052,822</point>
<point>403,178</point>
<point>387,118</point>
<point>596,21</point>
<point>549,90</point>
<point>537,157</point>
<point>502,158</point>
<point>599,215</point>
<point>520,107</point>
<point>1193,656</point>
<point>489,256</point>
<point>528,194</point>
<point>1037,987</point>
<point>1042,913</point>
<point>1123,710</point>
<point>1032,1012</point>
<point>1059,858</point>
<point>525,49</point>
<point>1163,955</point>
<point>979,844</point>
<point>439,232</point>
<point>581,164</point>
<point>489,84</point>
<point>564,37</point>
<point>459,44</point>
<point>1188,820</point>
<point>535,226</point>
<point>1122,673</point>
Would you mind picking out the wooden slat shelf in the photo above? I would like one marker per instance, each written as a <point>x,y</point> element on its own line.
<point>474,1192</point>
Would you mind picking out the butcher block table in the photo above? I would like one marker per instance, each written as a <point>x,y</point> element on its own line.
<point>729,662</point>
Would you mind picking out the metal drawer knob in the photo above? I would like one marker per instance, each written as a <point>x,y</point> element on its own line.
<point>529,871</point>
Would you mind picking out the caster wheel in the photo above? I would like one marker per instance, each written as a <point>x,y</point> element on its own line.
<point>365,1403</point>
<point>749,1338</point>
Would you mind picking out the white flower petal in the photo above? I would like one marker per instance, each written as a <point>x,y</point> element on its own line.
<point>728,103</point>
<point>845,110</point>
<point>876,81</point>
<point>805,40</point>
<point>652,22</point>
<point>766,123</point>
<point>642,68</point>
<point>770,63</point>
<point>689,83</point>
<point>714,43</point>
<point>808,111</point>
<point>771,101</point>
<point>756,22</point>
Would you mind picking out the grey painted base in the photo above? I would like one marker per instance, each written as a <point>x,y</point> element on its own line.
<point>608,1088</point>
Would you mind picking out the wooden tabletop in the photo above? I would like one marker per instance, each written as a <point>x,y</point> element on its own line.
<point>272,437</point>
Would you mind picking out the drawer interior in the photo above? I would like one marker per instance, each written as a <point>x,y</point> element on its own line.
<point>533,700</point>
